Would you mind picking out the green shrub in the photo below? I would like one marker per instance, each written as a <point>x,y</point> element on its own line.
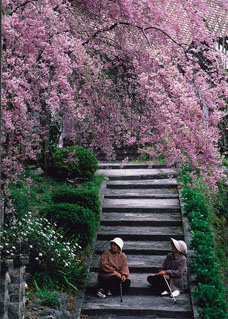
<point>210,290</point>
<point>75,162</point>
<point>75,221</point>
<point>48,298</point>
<point>87,198</point>
<point>211,301</point>
<point>20,201</point>
<point>194,201</point>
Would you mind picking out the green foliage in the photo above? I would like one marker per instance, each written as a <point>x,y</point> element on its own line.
<point>211,300</point>
<point>225,161</point>
<point>29,193</point>
<point>20,201</point>
<point>76,221</point>
<point>51,256</point>
<point>85,197</point>
<point>210,290</point>
<point>48,298</point>
<point>75,162</point>
<point>194,201</point>
<point>56,260</point>
<point>186,173</point>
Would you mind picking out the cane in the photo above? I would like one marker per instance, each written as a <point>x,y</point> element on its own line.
<point>174,299</point>
<point>121,292</point>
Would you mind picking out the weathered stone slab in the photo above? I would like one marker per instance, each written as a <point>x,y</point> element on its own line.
<point>138,280</point>
<point>154,183</point>
<point>141,203</point>
<point>118,165</point>
<point>140,233</point>
<point>143,219</point>
<point>137,263</point>
<point>139,283</point>
<point>138,247</point>
<point>137,230</point>
<point>141,193</point>
<point>132,174</point>
<point>139,307</point>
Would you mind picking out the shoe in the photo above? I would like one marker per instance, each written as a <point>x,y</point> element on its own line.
<point>176,293</point>
<point>101,295</point>
<point>109,293</point>
<point>165,293</point>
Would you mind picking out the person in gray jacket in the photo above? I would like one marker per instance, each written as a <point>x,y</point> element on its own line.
<point>174,269</point>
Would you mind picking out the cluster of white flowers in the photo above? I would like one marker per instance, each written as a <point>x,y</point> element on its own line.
<point>35,229</point>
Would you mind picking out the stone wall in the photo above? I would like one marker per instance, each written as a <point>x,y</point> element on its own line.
<point>12,288</point>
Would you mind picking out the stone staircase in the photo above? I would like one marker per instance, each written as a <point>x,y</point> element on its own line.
<point>140,205</point>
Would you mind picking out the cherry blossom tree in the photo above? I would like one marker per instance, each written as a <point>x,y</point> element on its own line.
<point>176,86</point>
<point>112,73</point>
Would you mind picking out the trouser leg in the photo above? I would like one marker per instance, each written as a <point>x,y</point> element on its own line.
<point>103,283</point>
<point>126,284</point>
<point>113,284</point>
<point>158,284</point>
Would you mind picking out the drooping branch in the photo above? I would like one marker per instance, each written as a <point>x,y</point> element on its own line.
<point>98,32</point>
<point>22,5</point>
<point>143,29</point>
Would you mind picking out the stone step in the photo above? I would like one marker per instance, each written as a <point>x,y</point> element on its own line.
<point>138,307</point>
<point>140,233</point>
<point>138,174</point>
<point>107,316</point>
<point>140,219</point>
<point>140,192</point>
<point>120,156</point>
<point>143,184</point>
<point>139,283</point>
<point>118,165</point>
<point>157,193</point>
<point>138,247</point>
<point>137,263</point>
<point>140,205</point>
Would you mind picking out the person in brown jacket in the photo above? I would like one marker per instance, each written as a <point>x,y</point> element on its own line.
<point>174,269</point>
<point>113,270</point>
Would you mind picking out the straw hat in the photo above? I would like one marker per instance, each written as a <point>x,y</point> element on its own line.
<point>179,245</point>
<point>118,241</point>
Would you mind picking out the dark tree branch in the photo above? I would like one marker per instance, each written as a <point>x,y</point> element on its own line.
<point>22,5</point>
<point>136,26</point>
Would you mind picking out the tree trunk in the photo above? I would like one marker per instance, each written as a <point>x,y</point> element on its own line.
<point>1,196</point>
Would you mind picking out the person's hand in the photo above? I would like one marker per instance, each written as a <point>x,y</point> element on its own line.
<point>162,273</point>
<point>118,275</point>
<point>123,278</point>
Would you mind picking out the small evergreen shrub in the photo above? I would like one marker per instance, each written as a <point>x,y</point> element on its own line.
<point>87,198</point>
<point>75,162</point>
<point>20,201</point>
<point>74,220</point>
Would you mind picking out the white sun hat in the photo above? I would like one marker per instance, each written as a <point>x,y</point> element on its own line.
<point>179,245</point>
<point>118,241</point>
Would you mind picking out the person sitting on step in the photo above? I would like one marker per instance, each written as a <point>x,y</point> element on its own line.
<point>113,270</point>
<point>174,269</point>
